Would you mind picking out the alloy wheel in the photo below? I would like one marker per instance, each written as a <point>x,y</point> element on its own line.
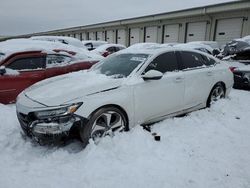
<point>217,93</point>
<point>106,124</point>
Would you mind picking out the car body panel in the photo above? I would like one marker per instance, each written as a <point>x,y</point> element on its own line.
<point>12,85</point>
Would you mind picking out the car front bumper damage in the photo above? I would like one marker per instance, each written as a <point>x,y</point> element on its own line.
<point>51,130</point>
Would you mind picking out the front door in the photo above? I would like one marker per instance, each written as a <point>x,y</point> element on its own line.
<point>20,74</point>
<point>154,99</point>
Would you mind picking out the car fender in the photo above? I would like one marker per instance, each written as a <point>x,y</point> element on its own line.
<point>121,97</point>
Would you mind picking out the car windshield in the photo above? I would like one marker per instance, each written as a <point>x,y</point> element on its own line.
<point>120,65</point>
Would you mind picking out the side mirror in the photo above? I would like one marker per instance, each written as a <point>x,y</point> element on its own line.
<point>2,70</point>
<point>152,75</point>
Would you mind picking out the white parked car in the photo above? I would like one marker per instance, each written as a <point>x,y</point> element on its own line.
<point>107,49</point>
<point>128,88</point>
<point>93,44</point>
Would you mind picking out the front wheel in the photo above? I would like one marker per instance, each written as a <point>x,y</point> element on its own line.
<point>216,93</point>
<point>103,122</point>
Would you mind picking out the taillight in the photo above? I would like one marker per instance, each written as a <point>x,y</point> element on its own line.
<point>232,69</point>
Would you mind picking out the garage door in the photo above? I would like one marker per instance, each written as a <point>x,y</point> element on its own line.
<point>228,29</point>
<point>171,33</point>
<point>134,36</point>
<point>121,36</point>
<point>151,34</point>
<point>196,31</point>
<point>84,36</point>
<point>92,36</point>
<point>99,35</point>
<point>77,35</point>
<point>110,36</point>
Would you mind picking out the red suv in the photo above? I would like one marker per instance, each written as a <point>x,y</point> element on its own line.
<point>22,69</point>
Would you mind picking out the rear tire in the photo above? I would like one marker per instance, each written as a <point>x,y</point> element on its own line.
<point>216,93</point>
<point>104,121</point>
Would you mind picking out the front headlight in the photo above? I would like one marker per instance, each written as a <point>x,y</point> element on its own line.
<point>60,111</point>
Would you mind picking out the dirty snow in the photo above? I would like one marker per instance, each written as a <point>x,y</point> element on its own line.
<point>207,148</point>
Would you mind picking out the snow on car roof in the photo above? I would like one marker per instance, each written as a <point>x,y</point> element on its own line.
<point>94,41</point>
<point>212,44</point>
<point>158,49</point>
<point>147,49</point>
<point>143,45</point>
<point>244,39</point>
<point>194,46</point>
<point>24,45</point>
<point>66,40</point>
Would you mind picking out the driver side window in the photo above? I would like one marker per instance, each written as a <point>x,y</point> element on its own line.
<point>166,62</point>
<point>29,63</point>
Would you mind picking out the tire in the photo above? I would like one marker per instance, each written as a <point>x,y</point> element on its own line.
<point>102,122</point>
<point>216,93</point>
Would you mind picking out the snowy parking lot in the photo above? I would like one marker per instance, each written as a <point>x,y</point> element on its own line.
<point>206,148</point>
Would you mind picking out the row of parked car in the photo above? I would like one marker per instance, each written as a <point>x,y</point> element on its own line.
<point>141,84</point>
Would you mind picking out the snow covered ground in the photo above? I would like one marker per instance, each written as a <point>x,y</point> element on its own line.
<point>207,148</point>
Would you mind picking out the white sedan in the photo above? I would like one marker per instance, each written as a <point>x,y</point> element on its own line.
<point>128,88</point>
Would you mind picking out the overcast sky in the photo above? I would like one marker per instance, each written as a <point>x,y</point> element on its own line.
<point>28,16</point>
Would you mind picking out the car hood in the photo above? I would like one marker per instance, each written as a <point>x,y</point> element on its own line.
<point>63,89</point>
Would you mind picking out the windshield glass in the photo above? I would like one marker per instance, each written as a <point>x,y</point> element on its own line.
<point>120,65</point>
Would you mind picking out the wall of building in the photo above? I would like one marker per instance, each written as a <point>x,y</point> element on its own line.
<point>218,22</point>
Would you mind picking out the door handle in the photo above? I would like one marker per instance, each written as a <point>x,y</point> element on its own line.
<point>179,79</point>
<point>209,73</point>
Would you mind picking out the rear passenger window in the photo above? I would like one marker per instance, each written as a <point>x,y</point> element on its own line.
<point>208,61</point>
<point>111,49</point>
<point>191,60</point>
<point>164,63</point>
<point>57,60</point>
<point>30,63</point>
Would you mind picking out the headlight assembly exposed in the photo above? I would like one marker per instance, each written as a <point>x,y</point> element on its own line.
<point>60,111</point>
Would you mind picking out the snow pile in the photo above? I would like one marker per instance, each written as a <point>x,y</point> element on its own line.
<point>66,40</point>
<point>241,66</point>
<point>207,148</point>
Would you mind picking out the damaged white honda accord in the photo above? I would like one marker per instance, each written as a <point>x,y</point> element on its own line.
<point>126,89</point>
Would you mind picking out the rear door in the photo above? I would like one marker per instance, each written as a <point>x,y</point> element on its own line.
<point>155,99</point>
<point>27,71</point>
<point>198,78</point>
<point>57,64</point>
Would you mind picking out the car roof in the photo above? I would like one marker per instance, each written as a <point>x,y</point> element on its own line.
<point>105,46</point>
<point>158,49</point>
<point>12,46</point>
<point>66,40</point>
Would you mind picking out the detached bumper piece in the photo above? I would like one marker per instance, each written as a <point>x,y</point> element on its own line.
<point>51,130</point>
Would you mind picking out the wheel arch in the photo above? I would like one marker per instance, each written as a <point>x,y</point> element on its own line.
<point>217,83</point>
<point>115,106</point>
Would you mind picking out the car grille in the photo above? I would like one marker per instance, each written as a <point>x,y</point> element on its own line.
<point>24,121</point>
